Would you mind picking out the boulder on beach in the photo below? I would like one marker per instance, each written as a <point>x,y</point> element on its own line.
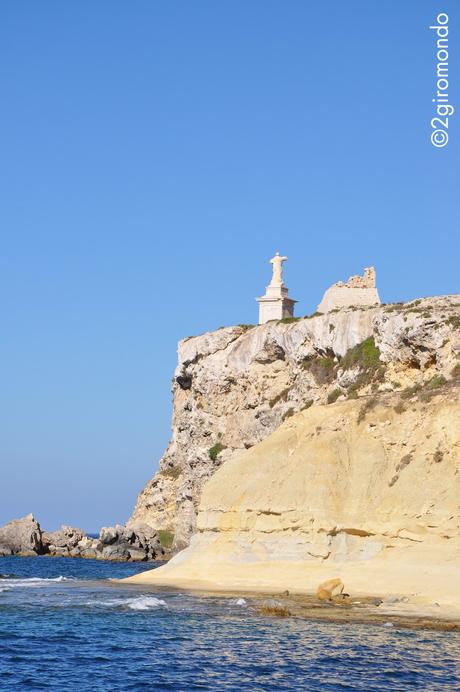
<point>329,589</point>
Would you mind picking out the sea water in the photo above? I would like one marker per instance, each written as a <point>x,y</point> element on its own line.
<point>65,626</point>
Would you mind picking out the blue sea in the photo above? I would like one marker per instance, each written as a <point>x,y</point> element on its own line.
<point>64,626</point>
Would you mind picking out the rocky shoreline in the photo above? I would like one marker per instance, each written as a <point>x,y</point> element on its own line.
<point>25,537</point>
<point>363,492</point>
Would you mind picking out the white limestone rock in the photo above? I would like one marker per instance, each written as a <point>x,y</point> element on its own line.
<point>235,386</point>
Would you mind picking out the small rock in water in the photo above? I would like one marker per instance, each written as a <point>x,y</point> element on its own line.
<point>388,624</point>
<point>272,607</point>
<point>240,602</point>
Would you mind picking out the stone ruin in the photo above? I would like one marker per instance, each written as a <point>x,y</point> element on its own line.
<point>358,290</point>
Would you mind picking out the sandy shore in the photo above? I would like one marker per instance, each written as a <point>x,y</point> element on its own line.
<point>407,590</point>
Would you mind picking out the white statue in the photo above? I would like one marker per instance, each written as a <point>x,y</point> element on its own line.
<point>277,278</point>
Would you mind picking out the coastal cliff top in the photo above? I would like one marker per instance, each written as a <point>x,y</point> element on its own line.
<point>439,309</point>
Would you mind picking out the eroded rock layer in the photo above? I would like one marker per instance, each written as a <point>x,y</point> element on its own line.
<point>234,387</point>
<point>367,491</point>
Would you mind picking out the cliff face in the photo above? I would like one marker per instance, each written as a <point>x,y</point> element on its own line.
<point>234,387</point>
<point>366,493</point>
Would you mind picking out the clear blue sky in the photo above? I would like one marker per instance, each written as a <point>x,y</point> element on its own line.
<point>153,156</point>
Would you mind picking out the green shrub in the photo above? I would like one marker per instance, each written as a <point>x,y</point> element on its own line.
<point>324,362</point>
<point>289,320</point>
<point>333,396</point>
<point>352,393</point>
<point>171,472</point>
<point>436,381</point>
<point>282,396</point>
<point>393,307</point>
<point>426,395</point>
<point>399,408</point>
<point>366,355</point>
<point>287,414</point>
<point>166,538</point>
<point>454,321</point>
<point>403,462</point>
<point>215,450</point>
<point>307,404</point>
<point>246,326</point>
<point>321,367</point>
<point>409,392</point>
<point>314,314</point>
<point>424,311</point>
<point>366,407</point>
<point>455,372</point>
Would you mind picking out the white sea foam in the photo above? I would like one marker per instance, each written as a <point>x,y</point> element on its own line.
<point>238,601</point>
<point>22,582</point>
<point>135,603</point>
<point>146,602</point>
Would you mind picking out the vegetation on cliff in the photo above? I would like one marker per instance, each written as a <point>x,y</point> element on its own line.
<point>238,385</point>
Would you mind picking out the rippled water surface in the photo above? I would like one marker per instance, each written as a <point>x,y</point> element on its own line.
<point>63,626</point>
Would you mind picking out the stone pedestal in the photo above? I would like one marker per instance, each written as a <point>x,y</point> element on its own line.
<point>275,304</point>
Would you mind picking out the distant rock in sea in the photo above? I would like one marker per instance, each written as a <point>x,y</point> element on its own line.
<point>21,537</point>
<point>25,537</point>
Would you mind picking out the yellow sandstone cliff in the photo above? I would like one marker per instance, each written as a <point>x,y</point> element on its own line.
<point>367,490</point>
<point>234,387</point>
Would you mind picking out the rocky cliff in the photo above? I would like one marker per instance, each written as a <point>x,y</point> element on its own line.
<point>234,387</point>
<point>366,491</point>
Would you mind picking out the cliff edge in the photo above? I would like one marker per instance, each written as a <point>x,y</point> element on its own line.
<point>234,387</point>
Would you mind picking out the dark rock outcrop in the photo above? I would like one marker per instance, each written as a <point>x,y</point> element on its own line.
<point>122,543</point>
<point>25,537</point>
<point>21,537</point>
<point>60,543</point>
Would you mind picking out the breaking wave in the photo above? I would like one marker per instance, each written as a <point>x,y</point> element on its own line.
<point>18,582</point>
<point>135,603</point>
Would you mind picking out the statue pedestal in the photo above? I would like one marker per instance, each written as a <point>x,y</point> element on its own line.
<point>275,304</point>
